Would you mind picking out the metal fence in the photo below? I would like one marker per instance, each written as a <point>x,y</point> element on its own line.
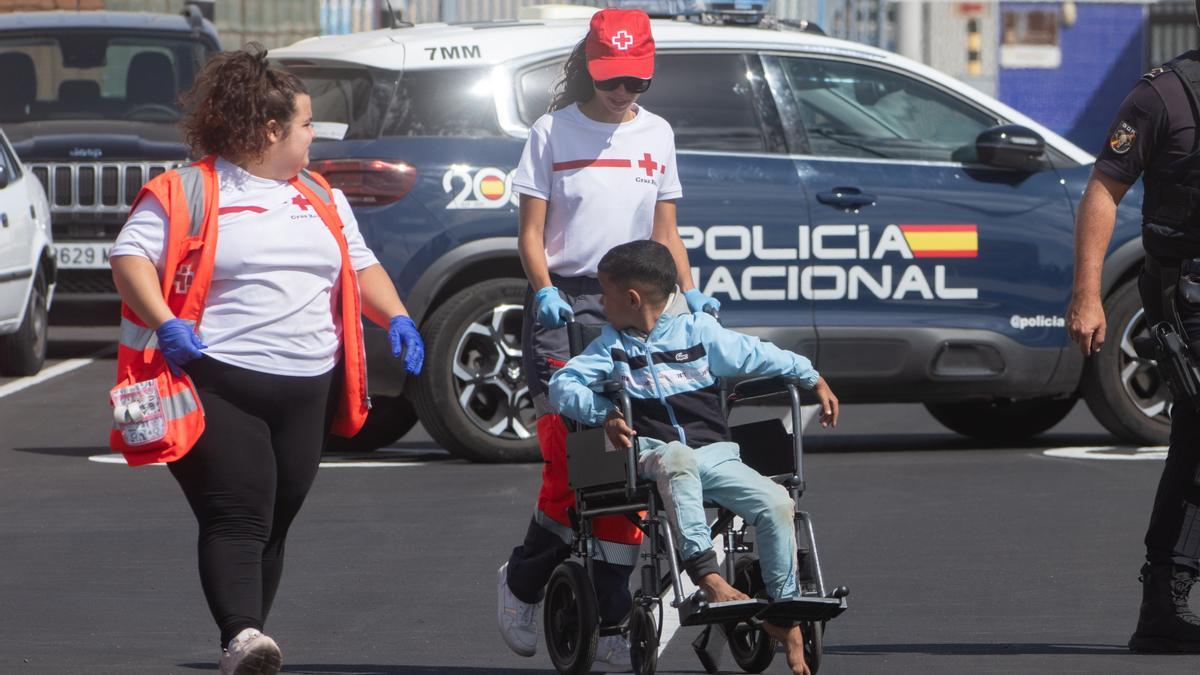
<point>1171,31</point>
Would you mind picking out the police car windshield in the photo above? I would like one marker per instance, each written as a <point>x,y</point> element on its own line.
<point>89,75</point>
<point>353,102</point>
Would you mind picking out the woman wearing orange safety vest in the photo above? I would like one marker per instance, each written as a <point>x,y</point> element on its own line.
<point>243,279</point>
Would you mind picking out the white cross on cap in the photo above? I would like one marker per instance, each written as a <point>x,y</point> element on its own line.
<point>622,40</point>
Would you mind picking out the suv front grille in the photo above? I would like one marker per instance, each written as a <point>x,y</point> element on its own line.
<point>95,187</point>
<point>85,282</point>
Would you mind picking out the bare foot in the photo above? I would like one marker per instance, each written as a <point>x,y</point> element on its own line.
<point>793,641</point>
<point>717,589</point>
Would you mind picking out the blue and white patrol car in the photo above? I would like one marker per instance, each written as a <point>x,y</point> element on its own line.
<point>908,233</point>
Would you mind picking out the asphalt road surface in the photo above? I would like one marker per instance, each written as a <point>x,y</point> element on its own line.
<point>961,557</point>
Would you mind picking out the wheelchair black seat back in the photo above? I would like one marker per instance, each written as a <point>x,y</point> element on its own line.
<point>606,482</point>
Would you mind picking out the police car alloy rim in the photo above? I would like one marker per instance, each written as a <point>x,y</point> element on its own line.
<point>1139,377</point>
<point>489,381</point>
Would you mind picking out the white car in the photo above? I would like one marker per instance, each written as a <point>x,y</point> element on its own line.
<point>27,267</point>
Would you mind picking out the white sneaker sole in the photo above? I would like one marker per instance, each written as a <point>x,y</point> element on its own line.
<point>262,659</point>
<point>501,582</point>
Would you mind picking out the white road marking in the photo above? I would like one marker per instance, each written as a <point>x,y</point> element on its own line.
<point>115,458</point>
<point>47,374</point>
<point>1111,453</point>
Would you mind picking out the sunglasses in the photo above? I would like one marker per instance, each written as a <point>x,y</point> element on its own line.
<point>633,85</point>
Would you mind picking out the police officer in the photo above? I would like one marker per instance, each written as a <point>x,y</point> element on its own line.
<point>1154,136</point>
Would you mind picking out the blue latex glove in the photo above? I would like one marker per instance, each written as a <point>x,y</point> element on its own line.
<point>178,343</point>
<point>405,339</point>
<point>551,307</point>
<point>699,302</point>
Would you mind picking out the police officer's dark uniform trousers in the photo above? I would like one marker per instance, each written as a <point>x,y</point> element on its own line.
<point>1155,134</point>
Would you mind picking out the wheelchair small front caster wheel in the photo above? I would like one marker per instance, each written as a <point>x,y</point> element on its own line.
<point>643,641</point>
<point>814,643</point>
<point>751,647</point>
<point>572,626</point>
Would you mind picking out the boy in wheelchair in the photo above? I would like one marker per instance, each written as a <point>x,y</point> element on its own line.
<point>669,361</point>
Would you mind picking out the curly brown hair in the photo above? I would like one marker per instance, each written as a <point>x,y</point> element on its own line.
<point>575,85</point>
<point>233,101</point>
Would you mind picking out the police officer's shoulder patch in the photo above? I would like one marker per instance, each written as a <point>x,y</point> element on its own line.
<point>1123,138</point>
<point>1154,72</point>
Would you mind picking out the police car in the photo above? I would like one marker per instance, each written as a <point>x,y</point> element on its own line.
<point>27,267</point>
<point>910,234</point>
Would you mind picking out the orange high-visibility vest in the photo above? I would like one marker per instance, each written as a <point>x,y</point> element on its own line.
<point>189,196</point>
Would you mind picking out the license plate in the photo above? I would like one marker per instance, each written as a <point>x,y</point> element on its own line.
<point>82,256</point>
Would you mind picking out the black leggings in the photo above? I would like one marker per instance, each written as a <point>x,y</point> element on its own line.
<point>246,478</point>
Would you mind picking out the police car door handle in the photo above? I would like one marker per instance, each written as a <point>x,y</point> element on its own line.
<point>846,198</point>
<point>4,219</point>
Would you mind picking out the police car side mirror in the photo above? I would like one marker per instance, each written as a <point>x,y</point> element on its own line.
<point>1010,146</point>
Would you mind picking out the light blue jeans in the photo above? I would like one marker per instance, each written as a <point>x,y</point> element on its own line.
<point>686,477</point>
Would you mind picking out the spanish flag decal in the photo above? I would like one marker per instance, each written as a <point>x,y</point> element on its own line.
<point>942,241</point>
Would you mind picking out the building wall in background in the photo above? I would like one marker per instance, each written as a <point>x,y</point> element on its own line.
<point>1102,55</point>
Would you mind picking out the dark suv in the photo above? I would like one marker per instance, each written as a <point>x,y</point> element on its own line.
<point>910,234</point>
<point>90,106</point>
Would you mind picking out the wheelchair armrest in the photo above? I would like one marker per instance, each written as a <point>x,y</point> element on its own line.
<point>608,387</point>
<point>764,386</point>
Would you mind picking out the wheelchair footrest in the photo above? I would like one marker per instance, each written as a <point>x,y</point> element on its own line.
<point>807,608</point>
<point>693,613</point>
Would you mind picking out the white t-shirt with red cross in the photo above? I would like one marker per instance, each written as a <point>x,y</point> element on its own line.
<point>274,288</point>
<point>601,181</point>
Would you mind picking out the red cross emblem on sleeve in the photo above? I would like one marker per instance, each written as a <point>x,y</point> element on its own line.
<point>622,40</point>
<point>648,164</point>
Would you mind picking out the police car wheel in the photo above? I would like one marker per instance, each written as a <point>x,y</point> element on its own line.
<point>24,352</point>
<point>389,419</point>
<point>472,397</point>
<point>1001,420</point>
<point>1124,391</point>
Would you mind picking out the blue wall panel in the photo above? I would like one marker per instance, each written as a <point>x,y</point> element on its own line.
<point>1103,56</point>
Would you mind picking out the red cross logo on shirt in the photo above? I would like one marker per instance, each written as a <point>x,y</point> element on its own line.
<point>302,202</point>
<point>648,164</point>
<point>183,278</point>
<point>622,40</point>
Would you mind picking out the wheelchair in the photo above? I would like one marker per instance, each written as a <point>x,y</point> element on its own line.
<point>605,481</point>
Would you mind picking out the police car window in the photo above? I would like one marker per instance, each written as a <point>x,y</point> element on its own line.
<point>709,99</point>
<point>444,102</point>
<point>854,110</point>
<point>536,88</point>
<point>346,102</point>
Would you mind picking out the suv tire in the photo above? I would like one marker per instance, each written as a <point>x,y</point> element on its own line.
<point>1001,420</point>
<point>23,353</point>
<point>389,419</point>
<point>472,397</point>
<point>1124,391</point>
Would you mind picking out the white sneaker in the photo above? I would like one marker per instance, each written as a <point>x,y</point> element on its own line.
<point>612,655</point>
<point>251,653</point>
<point>517,619</point>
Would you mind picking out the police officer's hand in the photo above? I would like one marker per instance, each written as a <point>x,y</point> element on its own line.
<point>552,310</point>
<point>699,302</point>
<point>1086,323</point>
<point>178,343</point>
<point>618,432</point>
<point>829,403</point>
<point>404,338</point>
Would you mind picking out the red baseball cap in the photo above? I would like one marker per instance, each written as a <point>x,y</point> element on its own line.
<point>619,44</point>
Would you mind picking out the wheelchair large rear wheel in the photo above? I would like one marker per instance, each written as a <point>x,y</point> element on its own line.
<point>814,644</point>
<point>572,625</point>
<point>751,647</point>
<point>643,641</point>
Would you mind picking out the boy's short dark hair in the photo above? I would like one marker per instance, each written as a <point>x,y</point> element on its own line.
<point>646,263</point>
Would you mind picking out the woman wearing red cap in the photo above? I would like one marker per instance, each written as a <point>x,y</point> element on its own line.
<point>597,171</point>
